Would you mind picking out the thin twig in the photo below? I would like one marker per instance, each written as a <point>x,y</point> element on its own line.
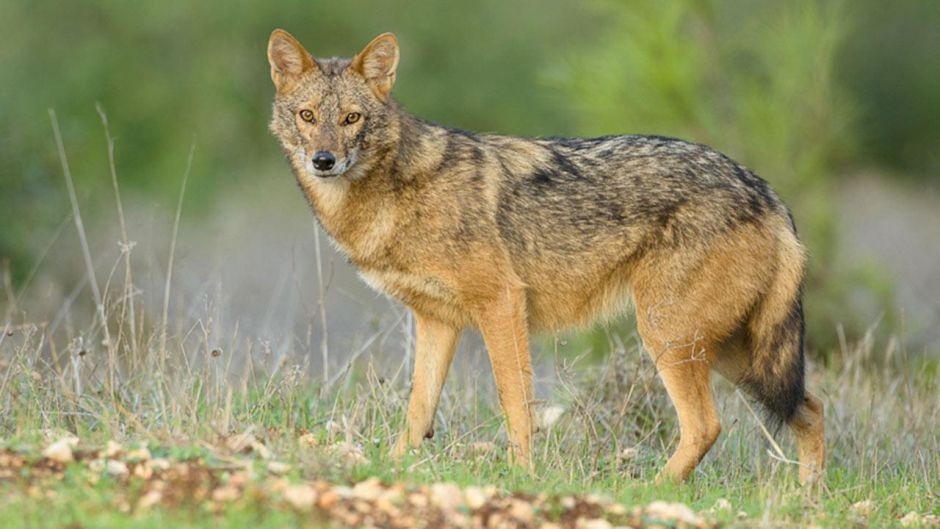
<point>80,227</point>
<point>321,302</point>
<point>126,245</point>
<point>169,265</point>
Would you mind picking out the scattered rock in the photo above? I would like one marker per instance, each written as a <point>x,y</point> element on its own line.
<point>308,440</point>
<point>300,497</point>
<point>368,490</point>
<point>593,523</point>
<point>349,453</point>
<point>112,450</point>
<point>149,499</point>
<point>116,468</point>
<point>446,496</point>
<point>862,508</point>
<point>278,468</point>
<point>475,497</point>
<point>549,416</point>
<point>138,455</point>
<point>61,450</point>
<point>911,519</point>
<point>158,464</point>
<point>629,453</point>
<point>226,493</point>
<point>672,512</point>
<point>522,511</point>
<point>721,505</point>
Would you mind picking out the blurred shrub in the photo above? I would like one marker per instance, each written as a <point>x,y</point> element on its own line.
<point>890,64</point>
<point>759,88</point>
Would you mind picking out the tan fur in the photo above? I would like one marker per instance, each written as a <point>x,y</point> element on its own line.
<point>516,235</point>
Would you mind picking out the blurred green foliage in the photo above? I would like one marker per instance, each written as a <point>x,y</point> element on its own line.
<point>800,91</point>
<point>760,89</point>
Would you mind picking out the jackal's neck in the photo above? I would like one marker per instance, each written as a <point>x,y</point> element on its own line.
<point>415,153</point>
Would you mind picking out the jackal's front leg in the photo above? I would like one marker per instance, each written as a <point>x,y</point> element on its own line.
<point>504,331</point>
<point>435,342</point>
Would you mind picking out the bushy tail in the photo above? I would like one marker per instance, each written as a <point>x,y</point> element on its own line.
<point>776,329</point>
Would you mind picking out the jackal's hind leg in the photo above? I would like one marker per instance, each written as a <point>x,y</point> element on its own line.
<point>685,370</point>
<point>807,424</point>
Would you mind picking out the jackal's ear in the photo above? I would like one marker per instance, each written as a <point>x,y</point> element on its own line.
<point>288,58</point>
<point>377,63</point>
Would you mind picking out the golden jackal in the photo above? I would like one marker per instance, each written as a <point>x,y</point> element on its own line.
<point>519,235</point>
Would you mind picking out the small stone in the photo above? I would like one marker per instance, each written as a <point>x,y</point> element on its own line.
<point>149,499</point>
<point>112,450</point>
<point>911,519</point>
<point>349,453</point>
<point>475,497</point>
<point>722,504</point>
<point>276,484</point>
<point>446,496</point>
<point>308,440</point>
<point>116,468</point>
<point>741,515</point>
<point>328,500</point>
<point>61,450</point>
<point>418,500</point>
<point>226,493</point>
<point>549,416</point>
<point>862,508</point>
<point>343,491</point>
<point>138,455</point>
<point>368,490</point>
<point>143,471</point>
<point>300,497</point>
<point>259,448</point>
<point>385,505</point>
<point>593,523</point>
<point>497,521</point>
<point>278,468</point>
<point>521,511</point>
<point>672,511</point>
<point>159,464</point>
<point>629,453</point>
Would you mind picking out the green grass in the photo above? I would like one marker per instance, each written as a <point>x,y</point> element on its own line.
<point>882,430</point>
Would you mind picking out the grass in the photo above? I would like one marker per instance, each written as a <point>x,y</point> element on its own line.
<point>180,382</point>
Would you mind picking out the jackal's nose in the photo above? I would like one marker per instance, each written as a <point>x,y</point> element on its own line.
<point>323,160</point>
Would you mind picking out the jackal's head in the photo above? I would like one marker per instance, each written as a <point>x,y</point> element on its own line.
<point>332,116</point>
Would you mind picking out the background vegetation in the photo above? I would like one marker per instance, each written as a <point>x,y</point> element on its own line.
<point>237,320</point>
<point>803,92</point>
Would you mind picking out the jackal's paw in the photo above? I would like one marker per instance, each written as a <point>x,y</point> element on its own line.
<point>810,476</point>
<point>402,447</point>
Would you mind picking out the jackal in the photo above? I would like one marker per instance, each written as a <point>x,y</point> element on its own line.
<point>518,235</point>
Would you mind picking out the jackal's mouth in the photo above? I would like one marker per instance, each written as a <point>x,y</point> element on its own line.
<point>338,169</point>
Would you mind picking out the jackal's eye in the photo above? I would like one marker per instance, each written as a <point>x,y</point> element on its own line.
<point>307,115</point>
<point>352,117</point>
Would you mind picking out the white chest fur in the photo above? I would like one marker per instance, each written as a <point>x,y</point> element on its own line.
<point>405,285</point>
